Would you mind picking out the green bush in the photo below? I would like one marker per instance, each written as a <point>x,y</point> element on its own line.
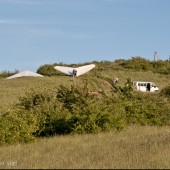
<point>140,64</point>
<point>80,105</point>
<point>69,110</point>
<point>47,70</point>
<point>41,104</point>
<point>73,95</point>
<point>15,127</point>
<point>88,114</point>
<point>161,67</point>
<point>35,96</point>
<point>146,109</point>
<point>137,63</point>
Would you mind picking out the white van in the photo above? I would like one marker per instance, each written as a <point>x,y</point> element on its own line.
<point>145,86</point>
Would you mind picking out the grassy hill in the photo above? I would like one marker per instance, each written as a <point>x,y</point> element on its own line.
<point>140,143</point>
<point>11,90</point>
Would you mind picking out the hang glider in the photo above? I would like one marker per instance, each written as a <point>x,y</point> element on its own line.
<point>75,71</point>
<point>25,73</point>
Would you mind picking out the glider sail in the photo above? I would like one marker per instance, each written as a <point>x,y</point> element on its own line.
<point>75,71</point>
<point>25,74</point>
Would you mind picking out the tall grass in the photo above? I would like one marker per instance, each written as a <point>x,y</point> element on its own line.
<point>11,90</point>
<point>134,147</point>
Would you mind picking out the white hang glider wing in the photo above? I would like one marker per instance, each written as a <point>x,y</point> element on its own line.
<point>25,73</point>
<point>75,71</point>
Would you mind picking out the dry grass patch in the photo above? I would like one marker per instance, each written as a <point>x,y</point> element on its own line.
<point>134,147</point>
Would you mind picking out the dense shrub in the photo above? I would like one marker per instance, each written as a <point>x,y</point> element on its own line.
<point>162,67</point>
<point>88,113</point>
<point>140,64</point>
<point>15,127</point>
<point>47,70</point>
<point>40,102</point>
<point>137,63</point>
<point>68,110</point>
<point>73,95</point>
<point>143,112</point>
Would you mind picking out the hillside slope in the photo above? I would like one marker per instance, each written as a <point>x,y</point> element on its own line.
<point>11,90</point>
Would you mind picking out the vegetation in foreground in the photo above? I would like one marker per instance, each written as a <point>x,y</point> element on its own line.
<point>43,112</point>
<point>135,147</point>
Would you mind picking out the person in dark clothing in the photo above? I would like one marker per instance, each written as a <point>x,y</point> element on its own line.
<point>74,73</point>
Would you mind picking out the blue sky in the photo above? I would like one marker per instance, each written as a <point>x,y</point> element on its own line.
<point>38,32</point>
